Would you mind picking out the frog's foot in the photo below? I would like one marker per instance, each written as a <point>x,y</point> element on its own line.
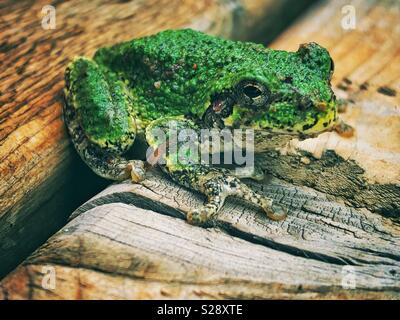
<point>344,130</point>
<point>218,186</point>
<point>203,215</point>
<point>137,170</point>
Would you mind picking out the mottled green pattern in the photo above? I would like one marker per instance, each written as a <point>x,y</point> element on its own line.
<point>97,91</point>
<point>176,72</point>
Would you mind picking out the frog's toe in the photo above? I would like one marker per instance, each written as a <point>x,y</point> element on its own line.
<point>203,215</point>
<point>137,170</point>
<point>197,217</point>
<point>275,212</point>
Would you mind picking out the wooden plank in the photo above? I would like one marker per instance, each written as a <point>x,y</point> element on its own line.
<point>42,179</point>
<point>115,247</point>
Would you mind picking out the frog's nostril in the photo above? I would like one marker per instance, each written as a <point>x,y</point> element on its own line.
<point>288,80</point>
<point>321,105</point>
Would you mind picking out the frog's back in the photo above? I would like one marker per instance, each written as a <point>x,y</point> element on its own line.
<point>174,45</point>
<point>174,71</point>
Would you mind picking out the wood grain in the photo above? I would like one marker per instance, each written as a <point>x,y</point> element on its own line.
<point>42,180</point>
<point>114,247</point>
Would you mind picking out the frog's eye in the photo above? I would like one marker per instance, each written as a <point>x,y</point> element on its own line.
<point>252,93</point>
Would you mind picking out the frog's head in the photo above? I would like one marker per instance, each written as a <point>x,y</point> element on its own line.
<point>285,92</point>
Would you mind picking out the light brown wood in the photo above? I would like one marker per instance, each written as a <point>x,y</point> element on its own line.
<point>42,179</point>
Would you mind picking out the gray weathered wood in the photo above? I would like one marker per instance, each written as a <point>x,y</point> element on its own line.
<point>115,247</point>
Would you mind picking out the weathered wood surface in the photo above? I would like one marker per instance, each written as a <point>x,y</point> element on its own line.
<point>115,247</point>
<point>130,241</point>
<point>365,169</point>
<point>42,179</point>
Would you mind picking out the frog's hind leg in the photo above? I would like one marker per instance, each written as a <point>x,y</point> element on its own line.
<point>107,165</point>
<point>214,182</point>
<point>88,91</point>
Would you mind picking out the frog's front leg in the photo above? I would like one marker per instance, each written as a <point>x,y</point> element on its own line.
<point>217,186</point>
<point>176,159</point>
<point>98,114</point>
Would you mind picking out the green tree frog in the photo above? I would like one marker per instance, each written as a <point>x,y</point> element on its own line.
<point>195,81</point>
